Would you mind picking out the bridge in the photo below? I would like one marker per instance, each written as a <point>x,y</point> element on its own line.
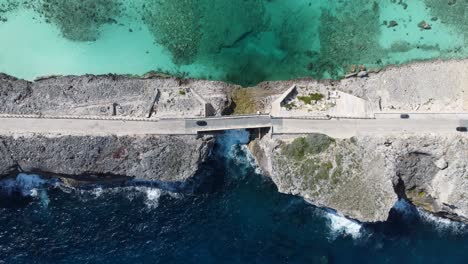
<point>334,127</point>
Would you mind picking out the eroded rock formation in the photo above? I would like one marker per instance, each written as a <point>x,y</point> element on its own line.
<point>171,159</point>
<point>363,177</point>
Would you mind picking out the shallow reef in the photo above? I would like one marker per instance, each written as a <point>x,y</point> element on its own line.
<point>240,41</point>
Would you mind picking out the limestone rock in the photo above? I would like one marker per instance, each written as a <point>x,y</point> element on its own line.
<point>363,177</point>
<point>155,158</point>
<point>362,74</point>
<point>98,95</point>
<point>346,176</point>
<point>441,164</point>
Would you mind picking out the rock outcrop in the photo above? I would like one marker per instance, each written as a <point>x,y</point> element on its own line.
<point>412,87</point>
<point>95,157</point>
<point>171,159</point>
<point>363,177</point>
<point>108,95</point>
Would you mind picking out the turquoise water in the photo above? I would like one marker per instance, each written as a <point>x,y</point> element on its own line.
<point>241,41</point>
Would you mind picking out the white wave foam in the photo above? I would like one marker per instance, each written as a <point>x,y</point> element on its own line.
<point>340,225</point>
<point>97,192</point>
<point>231,138</point>
<point>251,160</point>
<point>29,185</point>
<point>152,197</point>
<point>26,184</point>
<point>440,224</point>
<point>443,225</point>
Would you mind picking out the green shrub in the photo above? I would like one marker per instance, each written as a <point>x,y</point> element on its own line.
<point>311,97</point>
<point>328,165</point>
<point>290,106</point>
<point>324,172</point>
<point>310,145</point>
<point>182,92</point>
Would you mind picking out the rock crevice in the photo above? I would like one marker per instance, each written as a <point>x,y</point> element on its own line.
<point>363,177</point>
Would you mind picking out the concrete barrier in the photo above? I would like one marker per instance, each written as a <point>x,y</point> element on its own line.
<point>202,101</point>
<point>79,117</point>
<point>276,105</point>
<point>422,115</point>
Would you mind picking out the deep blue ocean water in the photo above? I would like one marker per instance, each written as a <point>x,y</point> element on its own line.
<point>239,218</point>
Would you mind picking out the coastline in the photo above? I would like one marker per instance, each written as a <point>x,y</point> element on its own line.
<point>130,97</point>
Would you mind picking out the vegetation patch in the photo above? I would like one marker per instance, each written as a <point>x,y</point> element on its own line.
<point>313,172</point>
<point>304,146</point>
<point>315,97</point>
<point>338,171</point>
<point>290,106</point>
<point>324,171</point>
<point>244,102</point>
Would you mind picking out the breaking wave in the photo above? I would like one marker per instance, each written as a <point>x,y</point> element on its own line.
<point>151,195</point>
<point>229,140</point>
<point>26,184</point>
<point>340,225</point>
<point>36,187</point>
<point>232,145</point>
<point>443,225</point>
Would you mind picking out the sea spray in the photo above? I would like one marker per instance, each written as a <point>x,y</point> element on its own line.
<point>150,195</point>
<point>26,184</point>
<point>410,214</point>
<point>232,146</point>
<point>442,225</point>
<point>340,225</point>
<point>245,221</point>
<point>36,187</point>
<point>227,141</point>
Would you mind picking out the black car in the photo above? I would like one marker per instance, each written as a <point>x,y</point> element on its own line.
<point>404,116</point>
<point>462,129</point>
<point>202,123</point>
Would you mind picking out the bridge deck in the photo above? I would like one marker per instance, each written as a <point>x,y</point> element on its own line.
<point>334,127</point>
<point>231,123</point>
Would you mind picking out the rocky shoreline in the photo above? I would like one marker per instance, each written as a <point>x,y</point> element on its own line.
<point>361,177</point>
<point>104,158</point>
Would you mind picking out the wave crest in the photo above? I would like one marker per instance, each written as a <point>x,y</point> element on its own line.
<point>340,225</point>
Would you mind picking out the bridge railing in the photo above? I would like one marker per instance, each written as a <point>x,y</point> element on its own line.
<point>108,118</point>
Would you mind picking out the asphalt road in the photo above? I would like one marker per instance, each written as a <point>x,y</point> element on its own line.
<point>335,128</point>
<point>90,127</point>
<point>349,128</point>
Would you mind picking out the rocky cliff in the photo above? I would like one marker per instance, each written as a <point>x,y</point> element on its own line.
<point>95,158</point>
<point>363,177</point>
<point>171,159</point>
